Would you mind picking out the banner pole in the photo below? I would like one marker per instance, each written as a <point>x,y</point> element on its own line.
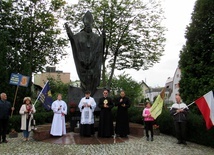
<point>14,101</point>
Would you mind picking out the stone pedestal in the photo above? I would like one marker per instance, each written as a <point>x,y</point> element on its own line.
<point>75,94</point>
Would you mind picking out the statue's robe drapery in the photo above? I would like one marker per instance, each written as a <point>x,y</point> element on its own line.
<point>87,52</point>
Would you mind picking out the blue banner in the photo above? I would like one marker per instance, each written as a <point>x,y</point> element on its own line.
<point>19,80</point>
<point>45,97</point>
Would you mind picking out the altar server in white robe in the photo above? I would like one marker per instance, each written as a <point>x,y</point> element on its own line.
<point>59,107</point>
<point>87,105</point>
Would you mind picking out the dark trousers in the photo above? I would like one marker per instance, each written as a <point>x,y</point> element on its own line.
<point>3,129</point>
<point>149,126</point>
<point>86,130</point>
<point>180,129</point>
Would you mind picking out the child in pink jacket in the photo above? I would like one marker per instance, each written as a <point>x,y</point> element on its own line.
<point>148,120</point>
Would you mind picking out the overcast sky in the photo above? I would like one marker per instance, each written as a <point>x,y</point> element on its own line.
<point>178,16</point>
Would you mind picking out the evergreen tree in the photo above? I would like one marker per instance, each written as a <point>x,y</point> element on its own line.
<point>197,56</point>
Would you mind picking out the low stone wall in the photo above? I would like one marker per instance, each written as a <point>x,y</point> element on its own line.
<point>136,129</point>
<point>42,132</point>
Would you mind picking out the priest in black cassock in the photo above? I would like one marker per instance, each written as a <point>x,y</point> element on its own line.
<point>106,121</point>
<point>122,120</point>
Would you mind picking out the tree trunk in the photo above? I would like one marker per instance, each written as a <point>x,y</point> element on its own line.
<point>112,70</point>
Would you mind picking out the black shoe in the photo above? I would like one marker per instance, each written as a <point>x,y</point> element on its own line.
<point>152,139</point>
<point>147,138</point>
<point>179,142</point>
<point>184,142</point>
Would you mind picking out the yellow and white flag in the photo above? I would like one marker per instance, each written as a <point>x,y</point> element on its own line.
<point>157,106</point>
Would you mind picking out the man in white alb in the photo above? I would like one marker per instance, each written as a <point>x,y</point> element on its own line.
<point>59,108</point>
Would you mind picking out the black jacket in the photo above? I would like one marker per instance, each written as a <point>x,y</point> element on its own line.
<point>179,117</point>
<point>5,109</point>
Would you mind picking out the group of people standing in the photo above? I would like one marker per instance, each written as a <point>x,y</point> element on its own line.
<point>26,111</point>
<point>178,111</point>
<point>87,106</point>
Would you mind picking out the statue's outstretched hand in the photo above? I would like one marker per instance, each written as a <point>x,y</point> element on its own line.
<point>68,30</point>
<point>66,26</point>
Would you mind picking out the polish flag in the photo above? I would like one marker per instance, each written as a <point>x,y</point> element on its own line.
<point>206,106</point>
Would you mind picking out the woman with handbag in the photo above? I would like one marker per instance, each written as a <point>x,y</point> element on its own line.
<point>27,110</point>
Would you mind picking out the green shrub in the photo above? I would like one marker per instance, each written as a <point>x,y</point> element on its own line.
<point>135,114</point>
<point>15,123</point>
<point>197,132</point>
<point>165,122</point>
<point>43,117</point>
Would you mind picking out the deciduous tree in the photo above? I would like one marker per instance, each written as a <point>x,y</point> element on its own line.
<point>30,37</point>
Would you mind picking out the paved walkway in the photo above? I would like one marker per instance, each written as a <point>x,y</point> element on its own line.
<point>162,145</point>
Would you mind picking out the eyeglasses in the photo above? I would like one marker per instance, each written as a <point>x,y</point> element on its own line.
<point>105,93</point>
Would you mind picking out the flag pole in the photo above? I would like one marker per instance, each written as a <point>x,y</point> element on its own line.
<point>40,93</point>
<point>191,104</point>
<point>187,106</point>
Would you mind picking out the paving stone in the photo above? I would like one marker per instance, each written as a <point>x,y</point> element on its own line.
<point>162,145</point>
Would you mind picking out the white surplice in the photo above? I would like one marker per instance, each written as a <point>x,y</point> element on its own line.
<point>58,127</point>
<point>87,116</point>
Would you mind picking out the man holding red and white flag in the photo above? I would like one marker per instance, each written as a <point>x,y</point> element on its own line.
<point>179,111</point>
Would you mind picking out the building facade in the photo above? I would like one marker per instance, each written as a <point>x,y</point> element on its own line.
<point>40,79</point>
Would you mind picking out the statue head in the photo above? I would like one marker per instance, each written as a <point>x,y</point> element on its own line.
<point>88,21</point>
